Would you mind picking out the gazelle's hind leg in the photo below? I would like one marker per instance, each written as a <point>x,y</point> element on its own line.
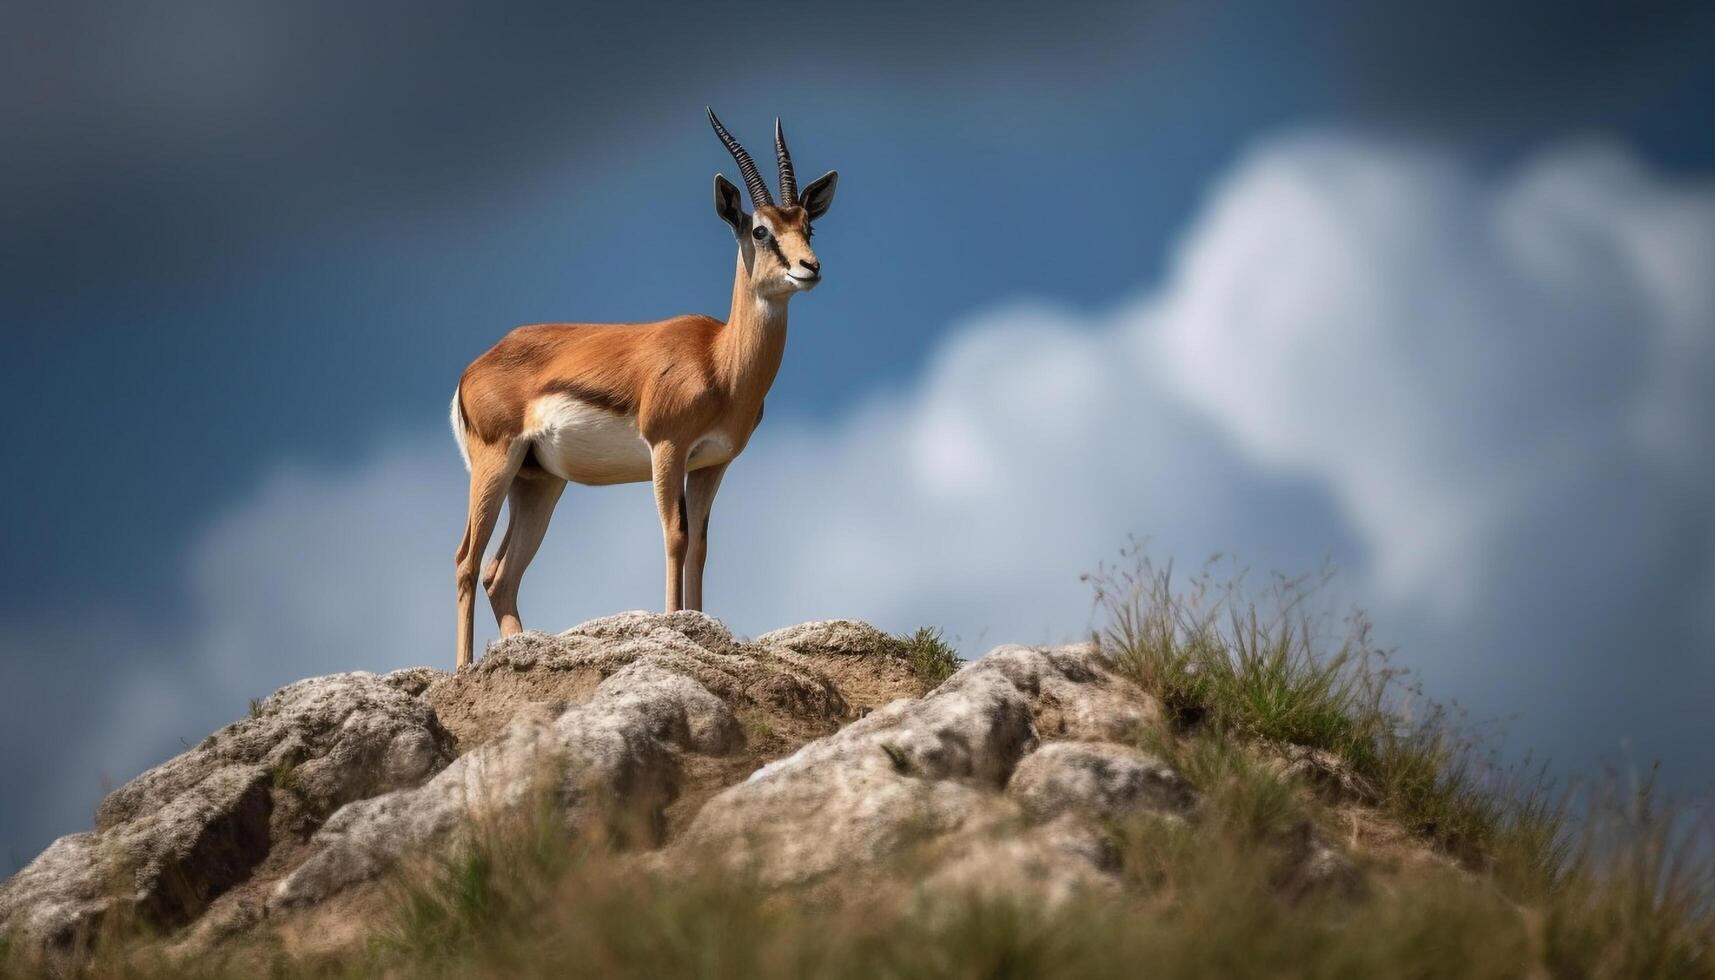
<point>492,467</point>
<point>492,571</point>
<point>531,502</point>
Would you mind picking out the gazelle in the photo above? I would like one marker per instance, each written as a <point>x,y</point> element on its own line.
<point>672,402</point>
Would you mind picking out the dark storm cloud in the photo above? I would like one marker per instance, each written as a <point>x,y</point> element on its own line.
<point>177,126</point>
<point>1513,65</point>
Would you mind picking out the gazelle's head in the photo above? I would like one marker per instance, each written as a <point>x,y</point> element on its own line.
<point>774,239</point>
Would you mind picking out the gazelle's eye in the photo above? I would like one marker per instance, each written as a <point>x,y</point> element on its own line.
<point>759,233</point>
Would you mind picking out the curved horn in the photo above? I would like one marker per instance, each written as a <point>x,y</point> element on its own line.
<point>788,180</point>
<point>746,166</point>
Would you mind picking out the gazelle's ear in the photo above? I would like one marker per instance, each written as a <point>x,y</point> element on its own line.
<point>819,196</point>
<point>728,205</point>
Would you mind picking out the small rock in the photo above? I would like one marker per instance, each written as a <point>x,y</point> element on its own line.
<point>699,628</point>
<point>1314,865</point>
<point>1323,771</point>
<point>414,680</point>
<point>1097,777</point>
<point>1072,693</point>
<point>1051,862</point>
<point>832,637</point>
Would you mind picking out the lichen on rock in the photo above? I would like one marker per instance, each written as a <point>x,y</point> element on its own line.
<point>612,749</point>
<point>1101,778</point>
<point>909,772</point>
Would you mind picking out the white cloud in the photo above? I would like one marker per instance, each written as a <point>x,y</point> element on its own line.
<point>1437,349</point>
<point>1488,397</point>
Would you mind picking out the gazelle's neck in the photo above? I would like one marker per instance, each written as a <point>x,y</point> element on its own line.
<point>749,348</point>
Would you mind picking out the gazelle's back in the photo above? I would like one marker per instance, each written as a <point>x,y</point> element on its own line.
<point>583,394</point>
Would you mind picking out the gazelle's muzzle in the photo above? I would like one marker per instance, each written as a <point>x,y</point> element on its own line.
<point>805,274</point>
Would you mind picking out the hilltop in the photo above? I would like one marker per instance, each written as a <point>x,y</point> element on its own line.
<point>649,793</point>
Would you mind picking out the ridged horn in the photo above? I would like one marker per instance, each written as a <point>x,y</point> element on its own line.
<point>788,180</point>
<point>746,166</point>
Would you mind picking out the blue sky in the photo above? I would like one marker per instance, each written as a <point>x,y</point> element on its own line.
<point>1421,291</point>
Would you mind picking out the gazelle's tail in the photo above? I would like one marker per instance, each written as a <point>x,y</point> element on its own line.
<point>458,423</point>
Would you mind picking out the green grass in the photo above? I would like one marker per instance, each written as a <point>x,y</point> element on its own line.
<point>285,778</point>
<point>1271,666</point>
<point>1612,883</point>
<point>932,659</point>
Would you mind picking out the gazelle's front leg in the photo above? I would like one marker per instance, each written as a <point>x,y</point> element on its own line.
<point>700,489</point>
<point>668,462</point>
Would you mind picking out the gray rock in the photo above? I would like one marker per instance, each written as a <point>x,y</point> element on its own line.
<point>688,642</point>
<point>365,838</point>
<point>174,838</point>
<point>832,637</point>
<point>1052,862</point>
<point>919,777</point>
<point>908,772</point>
<point>1314,864</point>
<point>612,750</point>
<point>668,705</point>
<point>1100,778</point>
<point>1072,693</point>
<point>341,737</point>
<point>415,680</point>
<point>975,730</point>
<point>163,867</point>
<point>1321,770</point>
<point>699,628</point>
<point>65,891</point>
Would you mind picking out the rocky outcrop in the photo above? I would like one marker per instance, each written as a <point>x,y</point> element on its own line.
<point>921,770</point>
<point>809,755</point>
<point>163,866</point>
<point>613,749</point>
<point>531,667</point>
<point>334,739</point>
<point>172,839</point>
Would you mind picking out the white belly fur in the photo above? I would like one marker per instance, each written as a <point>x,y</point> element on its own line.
<point>584,443</point>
